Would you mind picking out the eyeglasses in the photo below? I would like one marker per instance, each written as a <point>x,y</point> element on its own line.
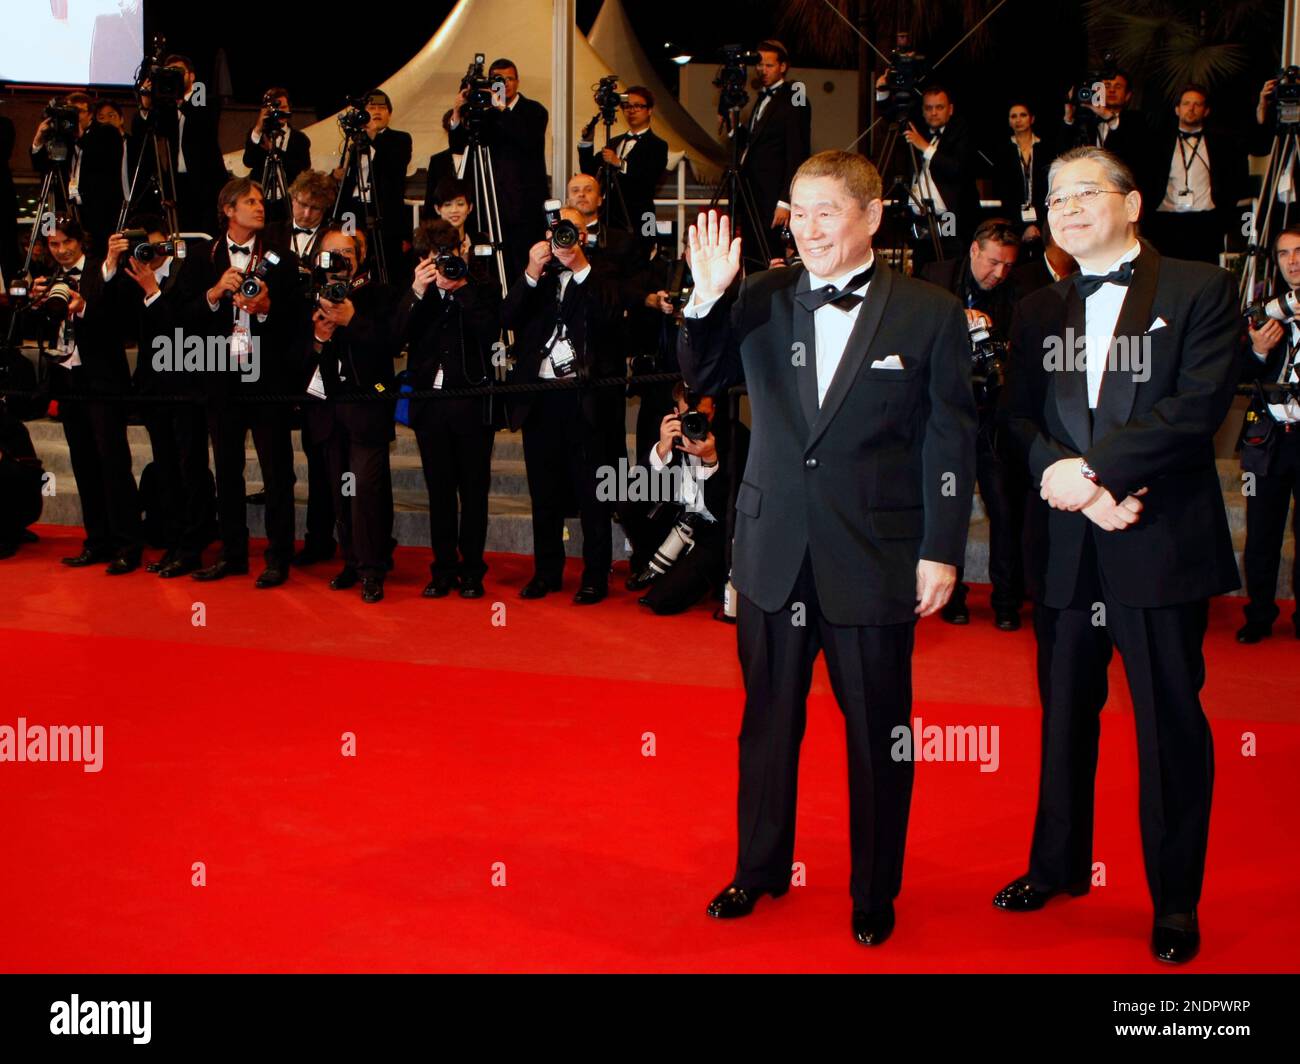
<point>635,107</point>
<point>1085,196</point>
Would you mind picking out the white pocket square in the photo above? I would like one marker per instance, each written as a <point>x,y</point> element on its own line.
<point>1159,323</point>
<point>892,362</point>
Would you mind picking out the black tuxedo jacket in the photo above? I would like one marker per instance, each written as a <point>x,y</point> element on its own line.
<point>176,308</point>
<point>1229,172</point>
<point>1009,181</point>
<point>441,165</point>
<point>454,334</point>
<point>99,337</point>
<point>1157,433</point>
<point>296,157</point>
<point>775,148</point>
<point>1130,140</point>
<point>879,476</point>
<point>355,363</point>
<point>204,163</point>
<point>99,180</point>
<point>392,157</point>
<point>591,312</point>
<point>646,164</point>
<point>953,171</point>
<point>516,140</point>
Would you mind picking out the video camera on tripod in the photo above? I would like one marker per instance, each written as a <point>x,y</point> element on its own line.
<point>608,98</point>
<point>65,125</point>
<point>486,93</point>
<point>164,85</point>
<point>1090,93</point>
<point>906,73</point>
<point>732,76</point>
<point>1286,97</point>
<point>355,118</point>
<point>274,121</point>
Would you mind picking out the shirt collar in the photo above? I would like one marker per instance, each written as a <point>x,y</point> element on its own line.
<point>164,269</point>
<point>1128,256</point>
<point>842,279</point>
<point>80,264</point>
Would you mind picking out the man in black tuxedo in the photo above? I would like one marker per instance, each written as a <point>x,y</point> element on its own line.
<point>293,148</point>
<point>776,136</point>
<point>562,315</point>
<point>852,516</point>
<point>636,160</point>
<point>1119,379</point>
<point>92,171</point>
<point>514,132</point>
<point>1194,180</point>
<point>1273,359</point>
<point>191,125</point>
<point>945,180</point>
<point>165,294</point>
<point>385,161</point>
<point>263,338</point>
<point>450,325</point>
<point>1121,130</point>
<point>88,360</point>
<point>353,348</point>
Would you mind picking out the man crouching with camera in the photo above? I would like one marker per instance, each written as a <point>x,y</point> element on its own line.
<point>353,348</point>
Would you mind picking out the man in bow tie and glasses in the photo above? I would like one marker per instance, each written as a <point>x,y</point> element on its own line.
<point>1129,538</point>
<point>852,514</point>
<point>638,159</point>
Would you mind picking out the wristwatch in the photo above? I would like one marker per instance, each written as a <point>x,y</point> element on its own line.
<point>1086,471</point>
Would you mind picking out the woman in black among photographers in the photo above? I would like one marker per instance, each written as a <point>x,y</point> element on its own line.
<point>1020,177</point>
<point>450,317</point>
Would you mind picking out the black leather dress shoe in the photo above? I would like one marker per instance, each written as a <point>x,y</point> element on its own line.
<point>126,562</point>
<point>272,576</point>
<point>372,589</point>
<point>955,613</point>
<point>1023,897</point>
<point>871,929</point>
<point>1253,632</point>
<point>87,557</point>
<point>312,555</point>
<point>739,901</point>
<point>179,567</point>
<point>347,577</point>
<point>1007,620</point>
<point>589,596</point>
<point>640,581</point>
<point>439,587</point>
<point>1176,945</point>
<point>537,588</point>
<point>219,569</point>
<point>162,563</point>
<point>471,587</point>
<point>8,548</point>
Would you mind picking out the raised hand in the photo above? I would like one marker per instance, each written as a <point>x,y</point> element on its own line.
<point>715,256</point>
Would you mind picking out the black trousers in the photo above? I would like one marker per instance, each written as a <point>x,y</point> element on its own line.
<point>871,675</point>
<point>562,454</point>
<point>1265,525</point>
<point>1194,235</point>
<point>21,501</point>
<point>693,575</point>
<point>178,436</point>
<point>228,425</point>
<point>1002,485</point>
<point>101,466</point>
<point>320,497</point>
<point>363,504</point>
<point>1161,649</point>
<point>457,463</point>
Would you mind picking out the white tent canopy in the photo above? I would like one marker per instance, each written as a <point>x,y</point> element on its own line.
<point>426,87</point>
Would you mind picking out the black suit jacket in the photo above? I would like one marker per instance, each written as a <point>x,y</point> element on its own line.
<point>156,326</point>
<point>879,476</point>
<point>1130,140</point>
<point>516,140</point>
<point>646,164</point>
<point>1009,181</point>
<point>99,337</point>
<point>295,158</point>
<point>204,163</point>
<point>391,159</point>
<point>357,364</point>
<point>99,180</point>
<point>1229,172</point>
<point>953,171</point>
<point>775,148</point>
<point>1156,433</point>
<point>953,275</point>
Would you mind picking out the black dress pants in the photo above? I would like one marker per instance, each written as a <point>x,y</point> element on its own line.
<point>101,465</point>
<point>457,462</point>
<point>363,503</point>
<point>1265,526</point>
<point>228,425</point>
<point>179,439</point>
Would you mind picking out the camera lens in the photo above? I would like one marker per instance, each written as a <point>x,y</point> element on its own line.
<point>565,234</point>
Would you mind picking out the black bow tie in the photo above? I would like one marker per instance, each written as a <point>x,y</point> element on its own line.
<point>846,298</point>
<point>72,271</point>
<point>1189,134</point>
<point>240,249</point>
<point>299,229</point>
<point>632,136</point>
<point>768,92</point>
<point>1087,284</point>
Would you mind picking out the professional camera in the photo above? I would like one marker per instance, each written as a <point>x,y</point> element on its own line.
<point>484,94</point>
<point>1287,98</point>
<point>676,545</point>
<point>449,263</point>
<point>332,278</point>
<point>564,233</point>
<point>1281,308</point>
<point>1091,92</point>
<point>65,123</point>
<point>256,277</point>
<point>608,98</point>
<point>354,118</point>
<point>166,84</point>
<point>907,71</point>
<point>988,361</point>
<point>274,122</point>
<point>53,309</point>
<point>732,76</point>
<point>143,251</point>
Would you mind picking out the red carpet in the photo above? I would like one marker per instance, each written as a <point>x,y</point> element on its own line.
<point>522,744</point>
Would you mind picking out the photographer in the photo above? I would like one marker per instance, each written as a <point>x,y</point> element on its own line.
<point>945,179</point>
<point>637,159</point>
<point>561,311</point>
<point>190,125</point>
<point>1122,131</point>
<point>353,347</point>
<point>383,162</point>
<point>1271,450</point>
<point>513,129</point>
<point>776,137</point>
<point>252,314</point>
<point>88,360</point>
<point>274,131</point>
<point>161,293</point>
<point>450,320</point>
<point>979,279</point>
<point>685,540</point>
<point>92,168</point>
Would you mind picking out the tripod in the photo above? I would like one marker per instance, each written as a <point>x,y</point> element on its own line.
<point>275,189</point>
<point>163,178</point>
<point>611,193</point>
<point>1259,273</point>
<point>365,189</point>
<point>733,187</point>
<point>913,215</point>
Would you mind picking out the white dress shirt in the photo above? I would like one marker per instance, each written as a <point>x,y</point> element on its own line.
<point>924,186</point>
<point>694,473</point>
<point>545,371</point>
<point>1101,312</point>
<point>1289,410</point>
<point>1189,168</point>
